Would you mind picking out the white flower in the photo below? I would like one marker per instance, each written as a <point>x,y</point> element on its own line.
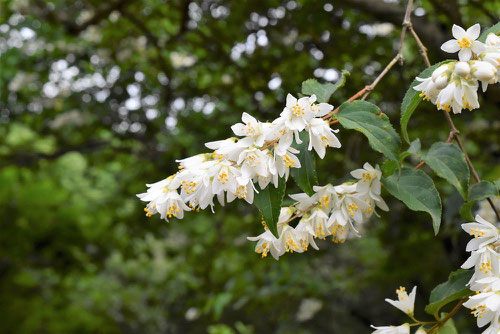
<point>327,196</point>
<point>349,206</point>
<point>318,223</point>
<point>458,94</point>
<point>163,200</point>
<point>493,329</point>
<point>484,233</point>
<point>485,72</point>
<point>369,179</point>
<point>320,109</point>
<point>491,283</point>
<point>485,306</point>
<point>403,329</point>
<point>465,42</point>
<point>224,177</point>
<point>321,136</point>
<point>492,40</point>
<point>229,148</point>
<point>339,232</point>
<point>297,113</point>
<point>405,302</point>
<point>281,164</point>
<point>304,201</point>
<point>244,190</point>
<point>290,240</point>
<point>428,89</point>
<point>484,260</point>
<point>279,131</point>
<point>251,129</point>
<point>267,242</point>
<point>304,235</point>
<point>254,162</point>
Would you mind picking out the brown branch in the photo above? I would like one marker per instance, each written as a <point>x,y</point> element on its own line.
<point>441,322</point>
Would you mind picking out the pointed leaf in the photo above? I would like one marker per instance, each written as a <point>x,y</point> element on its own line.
<point>448,162</point>
<point>323,92</point>
<point>416,189</point>
<point>305,176</point>
<point>367,118</point>
<point>268,201</point>
<point>453,289</point>
<point>477,192</point>
<point>412,99</point>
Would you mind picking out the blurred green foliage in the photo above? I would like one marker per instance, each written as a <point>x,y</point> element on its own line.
<point>99,98</point>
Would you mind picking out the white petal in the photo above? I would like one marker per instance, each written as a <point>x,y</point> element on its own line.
<point>458,32</point>
<point>474,31</point>
<point>465,54</point>
<point>451,46</point>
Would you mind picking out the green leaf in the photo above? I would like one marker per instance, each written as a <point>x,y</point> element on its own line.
<point>416,189</point>
<point>323,92</point>
<point>366,117</point>
<point>412,99</point>
<point>493,29</point>
<point>453,289</point>
<point>413,149</point>
<point>268,201</point>
<point>305,176</point>
<point>389,167</point>
<point>448,162</point>
<point>477,192</point>
<point>449,326</point>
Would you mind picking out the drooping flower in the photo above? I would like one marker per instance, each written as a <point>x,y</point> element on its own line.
<point>369,179</point>
<point>321,136</point>
<point>327,196</point>
<point>254,162</point>
<point>267,242</point>
<point>484,233</point>
<point>465,42</point>
<point>318,223</point>
<point>405,302</point>
<point>485,306</point>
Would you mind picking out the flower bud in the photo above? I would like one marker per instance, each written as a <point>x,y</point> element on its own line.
<point>492,39</point>
<point>462,69</point>
<point>484,71</point>
<point>439,71</point>
<point>441,82</point>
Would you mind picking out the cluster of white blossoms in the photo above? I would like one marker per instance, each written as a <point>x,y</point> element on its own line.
<point>330,211</point>
<point>485,259</point>
<point>454,85</point>
<point>405,303</point>
<point>262,155</point>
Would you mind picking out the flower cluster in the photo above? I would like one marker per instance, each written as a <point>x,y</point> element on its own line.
<point>405,303</point>
<point>330,211</point>
<point>454,85</point>
<point>485,259</point>
<point>262,155</point>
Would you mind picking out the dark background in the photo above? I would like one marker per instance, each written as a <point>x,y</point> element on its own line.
<point>100,97</point>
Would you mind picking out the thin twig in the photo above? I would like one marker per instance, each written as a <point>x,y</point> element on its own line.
<point>371,87</point>
<point>448,316</point>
